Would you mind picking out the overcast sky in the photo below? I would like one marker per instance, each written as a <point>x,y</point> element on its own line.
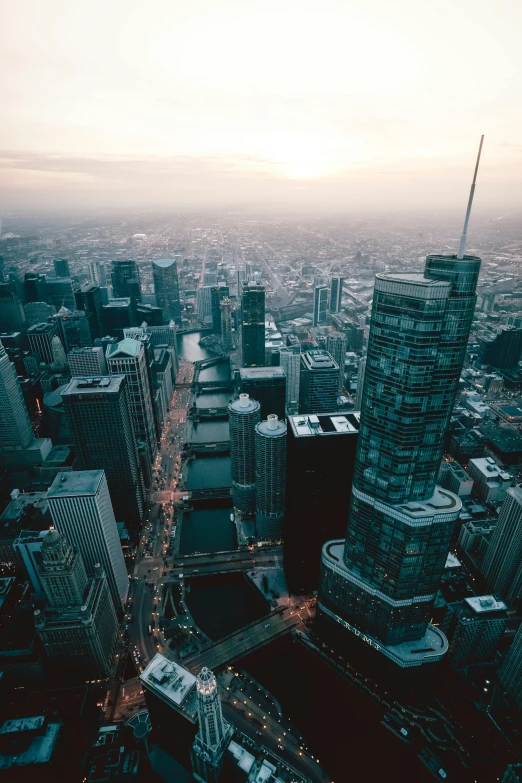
<point>341,105</point>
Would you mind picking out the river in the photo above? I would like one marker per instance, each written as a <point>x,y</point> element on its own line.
<point>207,529</point>
<point>223,603</point>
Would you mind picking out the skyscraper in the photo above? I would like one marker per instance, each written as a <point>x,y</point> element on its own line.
<point>40,338</point>
<point>243,414</point>
<point>270,452</point>
<point>336,347</point>
<point>360,383</point>
<point>267,385</point>
<point>510,674</point>
<point>128,358</point>
<point>58,291</point>
<point>87,362</point>
<point>320,305</point>
<point>227,338</point>
<point>336,294</point>
<point>78,627</point>
<point>214,732</point>
<point>38,312</point>
<point>318,382</point>
<point>290,361</point>
<point>125,278</point>
<point>204,303</point>
<point>61,267</point>
<point>319,469</point>
<point>102,431</point>
<point>502,564</point>
<point>73,329</point>
<point>12,315</point>
<point>81,510</point>
<point>166,287</point>
<point>89,299</point>
<point>59,357</point>
<point>253,325</point>
<point>117,316</point>
<point>380,584</point>
<point>217,295</point>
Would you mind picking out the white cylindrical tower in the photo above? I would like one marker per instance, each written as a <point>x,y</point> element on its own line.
<point>270,450</point>
<point>244,414</point>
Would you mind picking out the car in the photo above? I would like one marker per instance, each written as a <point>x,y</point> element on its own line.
<point>267,625</point>
<point>281,747</point>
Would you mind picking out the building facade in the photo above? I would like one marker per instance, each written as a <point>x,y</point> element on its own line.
<point>318,382</point>
<point>125,279</point>
<point>336,347</point>
<point>40,338</point>
<point>89,299</point>
<point>320,313</point>
<point>243,415</point>
<point>502,564</point>
<point>336,294</point>
<point>214,733</point>
<point>290,361</point>
<point>166,288</point>
<point>267,385</point>
<point>87,362</point>
<point>270,454</point>
<point>253,325</point>
<point>381,582</point>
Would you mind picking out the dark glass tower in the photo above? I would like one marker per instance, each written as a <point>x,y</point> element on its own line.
<point>89,299</point>
<point>253,326</point>
<point>166,287</point>
<point>381,582</point>
<point>125,278</point>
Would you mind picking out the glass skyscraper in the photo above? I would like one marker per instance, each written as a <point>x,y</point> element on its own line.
<point>380,584</point>
<point>253,325</point>
<point>166,288</point>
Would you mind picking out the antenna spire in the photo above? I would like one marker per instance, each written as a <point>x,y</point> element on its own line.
<point>462,245</point>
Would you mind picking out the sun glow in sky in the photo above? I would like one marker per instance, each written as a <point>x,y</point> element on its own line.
<point>167,101</point>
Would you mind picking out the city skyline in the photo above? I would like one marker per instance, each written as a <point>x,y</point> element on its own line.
<point>351,109</point>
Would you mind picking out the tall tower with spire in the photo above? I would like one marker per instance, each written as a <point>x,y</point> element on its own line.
<point>214,732</point>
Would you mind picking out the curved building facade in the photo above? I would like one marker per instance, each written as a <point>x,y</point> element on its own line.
<point>244,414</point>
<point>382,581</point>
<point>270,452</point>
<point>166,288</point>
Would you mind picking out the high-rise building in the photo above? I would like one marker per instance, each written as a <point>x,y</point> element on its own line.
<point>510,674</point>
<point>336,294</point>
<point>78,628</point>
<point>61,267</point>
<point>40,338</point>
<point>128,358</point>
<point>217,295</point>
<point>243,414</point>
<point>474,628</point>
<point>12,315</point>
<point>204,303</point>
<point>117,316</point>
<point>502,564</point>
<point>125,278</point>
<point>318,382</point>
<point>38,312</point>
<point>267,385</point>
<point>166,288</point>
<point>270,453</point>
<point>89,299</point>
<point>253,325</point>
<point>73,329</point>
<point>336,347</point>
<point>227,338</point>
<point>360,383</point>
<point>34,288</point>
<point>149,314</point>
<point>290,362</point>
<point>102,431</point>
<point>320,305</point>
<point>98,273</point>
<point>81,510</point>
<point>503,349</point>
<point>59,357</point>
<point>58,291</point>
<point>214,733</point>
<point>87,362</point>
<point>319,470</point>
<point>380,584</point>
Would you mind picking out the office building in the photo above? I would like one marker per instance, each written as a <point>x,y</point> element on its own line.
<point>490,482</point>
<point>243,415</point>
<point>336,294</point>
<point>171,699</point>
<point>166,288</point>
<point>510,674</point>
<point>126,284</point>
<point>98,273</point>
<point>57,291</point>
<point>81,510</point>
<point>360,383</point>
<point>87,362</point>
<point>12,315</point>
<point>267,385</point>
<point>381,582</point>
<point>27,547</point>
<point>290,362</point>
<point>34,288</point>
<point>149,314</point>
<point>117,316</point>
<point>253,325</point>
<point>502,565</point>
<point>88,298</point>
<point>61,267</point>
<point>336,347</point>
<point>59,357</point>
<point>474,628</point>
<point>227,307</point>
<point>38,312</point>
<point>128,358</point>
<point>318,382</point>
<point>502,349</point>
<point>319,470</point>
<point>165,336</point>
<point>30,750</point>
<point>40,340</point>
<point>102,432</point>
<point>320,305</point>
<point>78,627</point>
<point>217,294</point>
<point>214,733</point>
<point>270,454</point>
<point>453,477</point>
<point>204,304</point>
<point>73,329</point>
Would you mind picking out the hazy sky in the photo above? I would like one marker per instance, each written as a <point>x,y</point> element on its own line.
<point>336,104</point>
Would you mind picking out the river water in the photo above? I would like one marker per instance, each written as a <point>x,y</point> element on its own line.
<point>223,603</point>
<point>207,530</point>
<point>209,432</point>
<point>189,349</point>
<point>209,472</point>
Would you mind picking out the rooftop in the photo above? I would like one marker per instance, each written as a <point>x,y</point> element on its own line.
<point>317,359</point>
<point>108,384</point>
<point>307,424</point>
<point>39,751</point>
<point>253,373</point>
<point>164,263</point>
<point>482,604</point>
<point>40,328</point>
<point>169,680</point>
<point>263,428</point>
<point>126,347</point>
<point>71,483</point>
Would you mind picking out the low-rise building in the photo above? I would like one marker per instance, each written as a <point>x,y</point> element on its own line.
<point>490,481</point>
